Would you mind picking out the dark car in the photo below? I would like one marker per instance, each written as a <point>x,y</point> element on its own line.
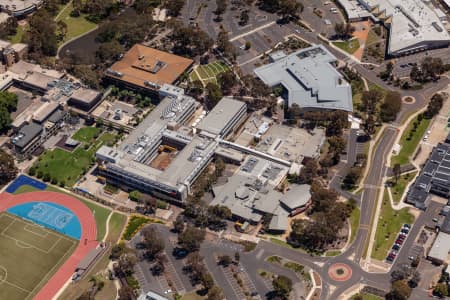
<point>389,258</point>
<point>396,247</point>
<point>405,230</point>
<point>179,253</point>
<point>407,226</point>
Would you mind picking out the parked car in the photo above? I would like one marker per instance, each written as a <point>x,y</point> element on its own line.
<point>406,226</point>
<point>400,242</point>
<point>396,247</point>
<point>405,230</point>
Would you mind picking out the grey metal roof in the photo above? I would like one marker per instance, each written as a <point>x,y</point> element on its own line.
<point>221,115</point>
<point>27,133</point>
<point>297,196</point>
<point>57,116</point>
<point>279,221</point>
<point>310,78</point>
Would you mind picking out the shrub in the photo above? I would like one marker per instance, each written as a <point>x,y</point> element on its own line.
<point>46,177</point>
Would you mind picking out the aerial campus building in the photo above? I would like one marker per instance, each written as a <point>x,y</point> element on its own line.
<point>310,79</point>
<point>163,156</point>
<point>413,25</point>
<point>434,178</point>
<point>146,69</point>
<point>19,8</point>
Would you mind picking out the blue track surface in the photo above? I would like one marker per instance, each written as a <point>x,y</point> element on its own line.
<point>25,180</point>
<point>49,215</point>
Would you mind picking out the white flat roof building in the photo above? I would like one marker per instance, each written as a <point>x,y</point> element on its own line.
<point>413,25</point>
<point>310,78</point>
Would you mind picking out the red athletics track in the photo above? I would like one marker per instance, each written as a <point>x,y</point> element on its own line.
<point>88,232</point>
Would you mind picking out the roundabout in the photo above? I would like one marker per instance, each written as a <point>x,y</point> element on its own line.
<point>340,272</point>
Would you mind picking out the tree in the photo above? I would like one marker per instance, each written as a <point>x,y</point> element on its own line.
<point>370,100</point>
<point>214,94</point>
<point>135,196</point>
<point>434,106</point>
<point>207,281</point>
<point>117,250</point>
<point>441,290</point>
<point>237,257</point>
<point>174,7</point>
<point>224,260</point>
<point>62,29</point>
<point>41,36</point>
<point>126,293</point>
<point>308,172</point>
<point>221,6</point>
<point>127,261</point>
<point>397,171</point>
<point>108,52</point>
<point>414,280</point>
<point>227,80</point>
<point>282,286</point>
<point>8,170</point>
<point>391,106</point>
<point>191,238</point>
<point>399,291</point>
<point>215,293</point>
<point>224,45</point>
<point>289,9</point>
<point>244,17</point>
<point>344,30</point>
<point>178,224</point>
<point>153,241</point>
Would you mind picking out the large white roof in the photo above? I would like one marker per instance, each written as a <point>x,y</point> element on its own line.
<point>310,78</point>
<point>414,24</point>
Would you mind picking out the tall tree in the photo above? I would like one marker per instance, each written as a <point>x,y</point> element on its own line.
<point>8,170</point>
<point>282,286</point>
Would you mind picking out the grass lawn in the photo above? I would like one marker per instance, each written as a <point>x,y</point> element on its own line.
<point>284,244</point>
<point>367,297</point>
<point>332,253</point>
<point>389,224</point>
<point>354,222</point>
<point>31,254</point>
<point>192,296</point>
<point>116,224</point>
<point>134,224</point>
<point>398,189</point>
<point>193,76</point>
<point>75,26</point>
<point>17,38</point>
<point>63,165</point>
<point>86,134</point>
<point>209,72</point>
<point>68,167</point>
<point>348,46</point>
<point>409,146</point>
<point>100,213</point>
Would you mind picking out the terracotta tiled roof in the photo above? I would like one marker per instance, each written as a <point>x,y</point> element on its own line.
<point>143,64</point>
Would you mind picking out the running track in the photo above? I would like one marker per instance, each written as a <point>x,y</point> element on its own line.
<point>88,232</point>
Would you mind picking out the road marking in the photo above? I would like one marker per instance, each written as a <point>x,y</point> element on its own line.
<point>252,31</point>
<point>260,253</point>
